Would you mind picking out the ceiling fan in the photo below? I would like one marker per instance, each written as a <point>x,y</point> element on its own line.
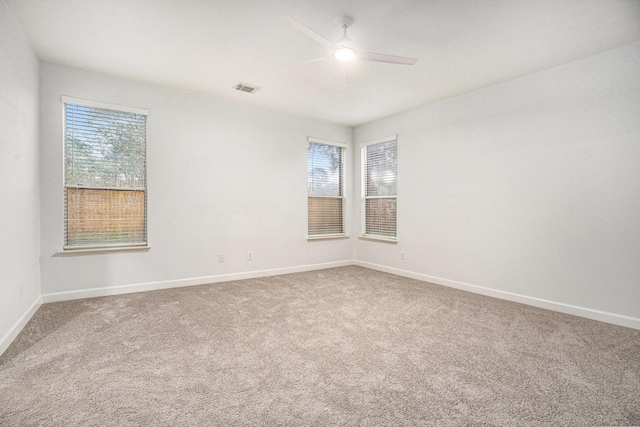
<point>343,49</point>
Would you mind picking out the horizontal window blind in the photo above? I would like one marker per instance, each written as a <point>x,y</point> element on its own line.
<point>104,175</point>
<point>325,188</point>
<point>379,188</point>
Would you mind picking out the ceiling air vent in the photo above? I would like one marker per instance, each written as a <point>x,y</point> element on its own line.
<point>245,87</point>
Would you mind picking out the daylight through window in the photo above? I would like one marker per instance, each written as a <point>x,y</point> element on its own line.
<point>379,188</point>
<point>104,175</point>
<point>325,188</point>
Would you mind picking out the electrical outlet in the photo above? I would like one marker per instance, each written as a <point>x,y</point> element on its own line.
<point>220,257</point>
<point>249,255</point>
<point>20,290</point>
<point>402,255</point>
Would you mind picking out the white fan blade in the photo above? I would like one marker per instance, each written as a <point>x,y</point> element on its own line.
<point>381,57</point>
<point>310,33</point>
<point>379,24</point>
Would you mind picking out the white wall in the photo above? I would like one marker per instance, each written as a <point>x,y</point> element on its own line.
<point>222,177</point>
<point>530,187</point>
<point>19,192</point>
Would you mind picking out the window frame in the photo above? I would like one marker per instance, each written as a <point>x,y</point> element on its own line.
<point>364,195</point>
<point>342,189</point>
<point>102,247</point>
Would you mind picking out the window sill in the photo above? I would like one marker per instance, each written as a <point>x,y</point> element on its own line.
<point>392,240</point>
<point>100,251</point>
<point>327,237</point>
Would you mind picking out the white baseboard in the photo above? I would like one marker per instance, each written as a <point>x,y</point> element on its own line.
<point>602,316</point>
<point>8,338</point>
<point>616,319</point>
<point>152,286</point>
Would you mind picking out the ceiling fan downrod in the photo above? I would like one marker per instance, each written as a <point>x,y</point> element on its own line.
<point>344,52</point>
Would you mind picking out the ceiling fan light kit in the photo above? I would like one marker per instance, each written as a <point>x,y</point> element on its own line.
<point>344,53</point>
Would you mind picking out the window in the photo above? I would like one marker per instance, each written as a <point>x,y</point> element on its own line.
<point>379,188</point>
<point>325,188</point>
<point>104,175</point>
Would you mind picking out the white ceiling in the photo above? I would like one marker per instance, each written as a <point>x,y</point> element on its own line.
<point>207,46</point>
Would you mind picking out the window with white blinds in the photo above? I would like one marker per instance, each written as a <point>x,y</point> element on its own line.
<point>104,175</point>
<point>379,188</point>
<point>325,188</point>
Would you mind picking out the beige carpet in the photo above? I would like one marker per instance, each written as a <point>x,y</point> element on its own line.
<point>344,346</point>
